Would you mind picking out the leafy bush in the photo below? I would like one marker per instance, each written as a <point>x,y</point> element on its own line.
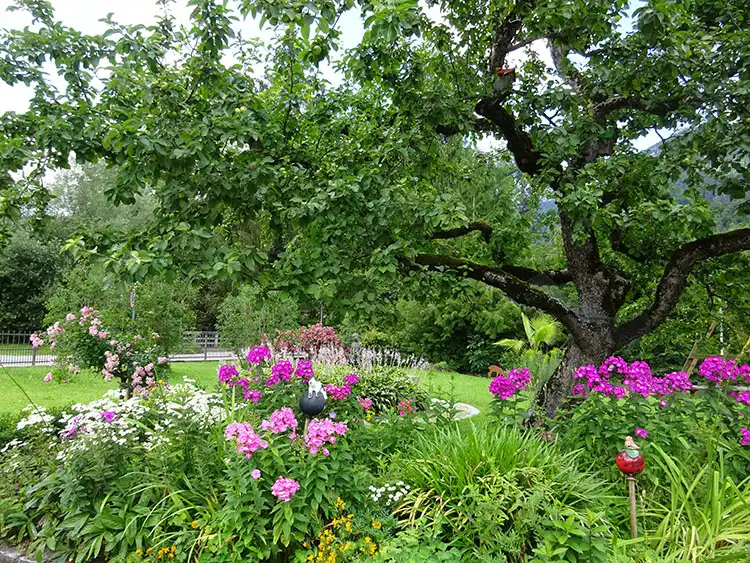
<point>250,316</point>
<point>83,341</point>
<point>29,269</point>
<point>491,491</point>
<point>388,386</point>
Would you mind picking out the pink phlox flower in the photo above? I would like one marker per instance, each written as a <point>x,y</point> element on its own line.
<point>365,403</point>
<point>109,416</point>
<point>253,396</point>
<point>505,386</point>
<point>255,474</point>
<point>321,432</point>
<point>338,392</point>
<point>70,317</point>
<point>280,421</point>
<point>641,433</point>
<point>284,489</point>
<point>248,442</point>
<point>745,437</point>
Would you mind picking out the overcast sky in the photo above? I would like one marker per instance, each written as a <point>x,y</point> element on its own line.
<point>84,15</point>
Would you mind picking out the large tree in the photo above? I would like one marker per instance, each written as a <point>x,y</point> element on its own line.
<point>330,186</point>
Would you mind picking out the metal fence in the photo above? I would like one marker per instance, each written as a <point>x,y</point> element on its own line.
<point>16,350</point>
<point>198,346</point>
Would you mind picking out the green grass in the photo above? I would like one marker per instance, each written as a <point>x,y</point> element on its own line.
<point>88,387</point>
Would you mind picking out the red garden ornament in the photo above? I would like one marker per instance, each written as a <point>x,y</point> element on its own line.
<point>630,461</point>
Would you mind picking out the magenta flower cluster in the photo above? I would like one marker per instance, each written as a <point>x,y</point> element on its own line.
<point>745,437</point>
<point>280,421</point>
<point>505,386</point>
<point>338,392</point>
<point>227,372</point>
<point>280,371</point>
<point>637,379</point>
<point>365,403</point>
<point>248,442</point>
<point>304,370</point>
<point>720,370</point>
<point>405,407</point>
<point>321,432</point>
<point>284,488</point>
<point>258,354</point>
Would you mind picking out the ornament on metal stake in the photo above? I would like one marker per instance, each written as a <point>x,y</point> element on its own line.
<point>313,401</point>
<point>630,461</point>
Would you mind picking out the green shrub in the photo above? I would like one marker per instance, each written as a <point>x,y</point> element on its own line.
<point>490,491</point>
<point>387,386</point>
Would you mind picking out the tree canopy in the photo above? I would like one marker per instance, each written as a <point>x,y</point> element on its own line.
<point>260,167</point>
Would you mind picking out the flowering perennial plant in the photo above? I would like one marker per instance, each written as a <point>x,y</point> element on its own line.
<point>248,442</point>
<point>637,379</point>
<point>406,407</point>
<point>258,354</point>
<point>744,436</point>
<point>720,370</point>
<point>321,432</point>
<point>280,421</point>
<point>505,386</point>
<point>284,488</point>
<point>82,342</point>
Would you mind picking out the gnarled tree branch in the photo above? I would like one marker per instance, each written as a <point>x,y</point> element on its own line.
<point>480,226</point>
<point>675,277</point>
<point>520,291</point>
<point>519,141</point>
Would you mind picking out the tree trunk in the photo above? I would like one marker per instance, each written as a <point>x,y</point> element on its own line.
<point>558,387</point>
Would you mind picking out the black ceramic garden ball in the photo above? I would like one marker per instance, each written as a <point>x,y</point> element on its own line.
<point>312,404</point>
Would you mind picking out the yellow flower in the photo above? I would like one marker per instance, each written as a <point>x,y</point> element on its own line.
<point>139,552</point>
<point>348,526</point>
<point>171,555</point>
<point>340,504</point>
<point>368,539</point>
<point>376,524</point>
<point>310,558</point>
<point>162,382</point>
<point>194,524</point>
<point>149,550</point>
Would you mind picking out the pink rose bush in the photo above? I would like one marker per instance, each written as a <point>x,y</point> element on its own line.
<point>81,341</point>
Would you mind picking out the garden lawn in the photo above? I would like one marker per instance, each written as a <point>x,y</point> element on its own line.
<point>88,387</point>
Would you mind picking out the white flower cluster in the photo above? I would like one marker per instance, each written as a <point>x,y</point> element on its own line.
<point>148,423</point>
<point>37,416</point>
<point>390,494</point>
<point>370,358</point>
<point>12,445</point>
